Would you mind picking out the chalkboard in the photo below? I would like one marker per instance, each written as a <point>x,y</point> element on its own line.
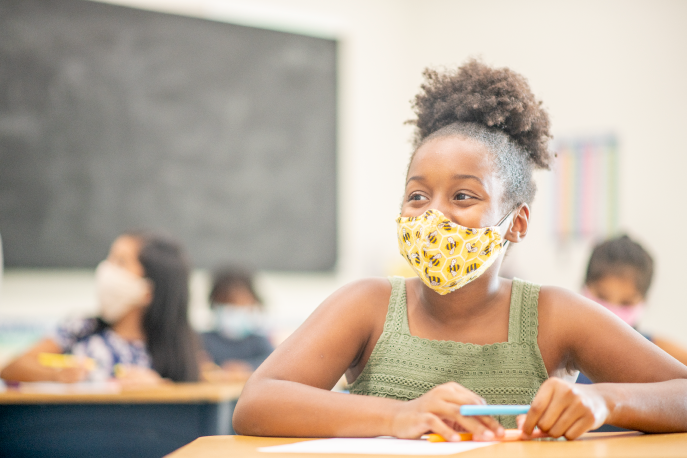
<point>113,118</point>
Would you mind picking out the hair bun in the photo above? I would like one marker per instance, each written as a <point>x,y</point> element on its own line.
<point>494,97</point>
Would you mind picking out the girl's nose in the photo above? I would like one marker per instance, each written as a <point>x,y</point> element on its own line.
<point>445,209</point>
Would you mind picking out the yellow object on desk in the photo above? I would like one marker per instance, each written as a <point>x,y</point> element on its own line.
<point>439,438</point>
<point>508,435</point>
<point>62,361</point>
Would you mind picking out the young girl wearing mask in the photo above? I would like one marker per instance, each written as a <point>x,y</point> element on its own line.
<point>238,343</point>
<point>142,331</point>
<point>415,350</point>
<point>618,277</point>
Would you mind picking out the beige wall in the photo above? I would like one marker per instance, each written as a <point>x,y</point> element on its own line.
<point>599,66</point>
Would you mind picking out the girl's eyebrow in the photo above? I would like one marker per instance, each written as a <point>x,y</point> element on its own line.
<point>468,177</point>
<point>455,177</point>
<point>415,178</point>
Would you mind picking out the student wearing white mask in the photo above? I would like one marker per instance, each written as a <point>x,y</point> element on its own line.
<point>141,332</point>
<point>238,343</point>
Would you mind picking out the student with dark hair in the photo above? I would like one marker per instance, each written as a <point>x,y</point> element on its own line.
<point>238,343</point>
<point>618,277</point>
<point>415,350</point>
<point>142,331</point>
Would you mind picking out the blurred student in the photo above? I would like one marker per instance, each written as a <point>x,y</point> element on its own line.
<point>237,344</point>
<point>141,334</point>
<point>619,276</point>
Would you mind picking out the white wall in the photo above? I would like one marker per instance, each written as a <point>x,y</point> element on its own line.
<point>599,66</point>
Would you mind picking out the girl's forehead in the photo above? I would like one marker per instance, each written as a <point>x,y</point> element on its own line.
<point>445,157</point>
<point>125,245</point>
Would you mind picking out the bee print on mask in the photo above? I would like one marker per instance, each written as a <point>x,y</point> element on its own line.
<point>451,245</point>
<point>406,237</point>
<point>454,267</point>
<point>414,258</point>
<point>444,254</point>
<point>435,260</point>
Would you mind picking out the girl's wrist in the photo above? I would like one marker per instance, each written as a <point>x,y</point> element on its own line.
<point>610,397</point>
<point>392,417</point>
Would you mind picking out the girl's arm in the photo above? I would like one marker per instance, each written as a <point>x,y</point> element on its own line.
<point>638,386</point>
<point>289,394</point>
<point>26,367</point>
<point>673,349</point>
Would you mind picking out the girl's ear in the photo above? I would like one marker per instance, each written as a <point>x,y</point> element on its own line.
<point>519,225</point>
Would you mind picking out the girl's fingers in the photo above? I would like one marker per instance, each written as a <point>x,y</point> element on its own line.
<point>564,408</point>
<point>460,395</point>
<point>577,415</point>
<point>578,428</point>
<point>436,425</point>
<point>492,424</point>
<point>537,408</point>
<point>520,421</point>
<point>451,410</point>
<point>445,402</point>
<point>479,429</point>
<point>552,399</point>
<point>563,422</point>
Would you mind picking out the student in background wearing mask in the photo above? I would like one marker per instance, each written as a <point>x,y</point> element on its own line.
<point>618,277</point>
<point>238,343</point>
<point>141,334</point>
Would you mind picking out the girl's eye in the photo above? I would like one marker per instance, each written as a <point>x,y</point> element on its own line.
<point>416,197</point>
<point>462,196</point>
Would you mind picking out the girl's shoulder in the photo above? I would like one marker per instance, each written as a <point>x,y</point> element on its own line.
<point>569,320</point>
<point>364,292</point>
<point>360,306</point>
<point>565,303</point>
<point>72,330</point>
<point>567,310</point>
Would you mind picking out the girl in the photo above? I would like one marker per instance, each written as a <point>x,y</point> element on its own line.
<point>618,277</point>
<point>238,344</point>
<point>415,350</point>
<point>143,328</point>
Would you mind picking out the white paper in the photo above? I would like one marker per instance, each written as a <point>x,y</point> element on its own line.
<point>376,446</point>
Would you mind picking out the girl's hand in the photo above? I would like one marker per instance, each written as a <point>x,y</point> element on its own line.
<point>438,411</point>
<point>71,374</point>
<point>137,377</point>
<point>562,408</point>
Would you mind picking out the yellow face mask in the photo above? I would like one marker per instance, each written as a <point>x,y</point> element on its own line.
<point>446,255</point>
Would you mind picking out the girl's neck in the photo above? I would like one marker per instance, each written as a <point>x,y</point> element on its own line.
<point>130,326</point>
<point>473,300</point>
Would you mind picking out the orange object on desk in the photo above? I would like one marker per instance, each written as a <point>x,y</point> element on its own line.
<point>509,435</point>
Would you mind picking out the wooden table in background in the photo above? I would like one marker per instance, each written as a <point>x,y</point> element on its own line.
<point>145,422</point>
<point>624,444</point>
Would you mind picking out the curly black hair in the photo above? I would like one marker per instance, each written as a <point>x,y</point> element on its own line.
<point>621,256</point>
<point>494,106</point>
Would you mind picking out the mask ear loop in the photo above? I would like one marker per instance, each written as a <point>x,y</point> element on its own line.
<point>505,243</point>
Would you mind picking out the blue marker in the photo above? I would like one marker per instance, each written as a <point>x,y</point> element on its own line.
<point>469,410</point>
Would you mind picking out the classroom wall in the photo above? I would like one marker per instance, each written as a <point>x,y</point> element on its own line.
<point>600,67</point>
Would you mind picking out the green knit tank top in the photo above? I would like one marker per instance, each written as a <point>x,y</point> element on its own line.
<point>405,367</point>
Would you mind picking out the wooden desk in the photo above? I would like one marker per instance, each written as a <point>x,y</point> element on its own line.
<point>624,444</point>
<point>146,422</point>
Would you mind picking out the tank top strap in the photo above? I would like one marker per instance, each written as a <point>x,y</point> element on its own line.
<point>523,322</point>
<point>396,317</point>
